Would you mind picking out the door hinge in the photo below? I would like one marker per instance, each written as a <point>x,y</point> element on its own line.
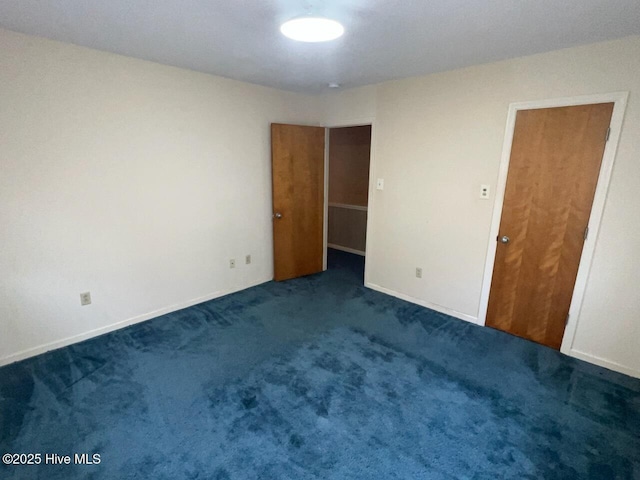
<point>586,233</point>
<point>606,139</point>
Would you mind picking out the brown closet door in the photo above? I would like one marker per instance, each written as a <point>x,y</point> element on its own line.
<point>553,172</point>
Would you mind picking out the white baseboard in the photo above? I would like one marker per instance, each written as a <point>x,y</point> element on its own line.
<point>602,362</point>
<point>346,249</point>
<point>32,352</point>
<point>432,306</point>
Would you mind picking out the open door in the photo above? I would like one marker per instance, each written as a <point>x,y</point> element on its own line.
<point>297,163</point>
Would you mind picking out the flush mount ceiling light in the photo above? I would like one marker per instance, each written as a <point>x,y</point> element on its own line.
<point>312,29</point>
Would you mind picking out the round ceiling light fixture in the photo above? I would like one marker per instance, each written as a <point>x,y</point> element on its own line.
<point>312,29</point>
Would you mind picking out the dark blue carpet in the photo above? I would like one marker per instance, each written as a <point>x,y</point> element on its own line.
<point>318,378</point>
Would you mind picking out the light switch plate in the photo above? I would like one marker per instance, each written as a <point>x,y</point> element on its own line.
<point>380,184</point>
<point>485,191</point>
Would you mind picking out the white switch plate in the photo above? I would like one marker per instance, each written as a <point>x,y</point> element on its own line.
<point>232,263</point>
<point>418,272</point>
<point>247,259</point>
<point>485,191</point>
<point>380,184</point>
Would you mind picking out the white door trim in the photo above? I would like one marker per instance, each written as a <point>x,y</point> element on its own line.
<point>620,102</point>
<point>325,218</point>
<point>372,184</point>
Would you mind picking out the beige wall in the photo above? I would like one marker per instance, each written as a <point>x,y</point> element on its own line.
<point>437,138</point>
<point>356,106</point>
<point>347,229</point>
<point>132,180</point>
<point>349,151</point>
<point>120,177</point>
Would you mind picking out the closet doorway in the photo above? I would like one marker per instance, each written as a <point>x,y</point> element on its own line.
<point>349,152</point>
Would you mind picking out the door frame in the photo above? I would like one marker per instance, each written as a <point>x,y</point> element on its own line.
<point>619,99</point>
<point>371,191</point>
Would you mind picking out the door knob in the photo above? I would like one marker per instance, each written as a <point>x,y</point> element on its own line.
<point>504,239</point>
<point>277,215</point>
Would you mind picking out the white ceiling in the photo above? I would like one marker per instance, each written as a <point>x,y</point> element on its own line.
<point>384,39</point>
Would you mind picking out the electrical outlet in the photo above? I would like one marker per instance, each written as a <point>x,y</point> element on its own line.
<point>247,259</point>
<point>232,263</point>
<point>418,272</point>
<point>484,192</point>
<point>85,298</point>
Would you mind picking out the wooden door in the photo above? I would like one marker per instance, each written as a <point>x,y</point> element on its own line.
<point>553,171</point>
<point>297,160</point>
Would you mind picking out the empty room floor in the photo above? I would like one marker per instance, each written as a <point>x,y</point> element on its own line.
<point>318,378</point>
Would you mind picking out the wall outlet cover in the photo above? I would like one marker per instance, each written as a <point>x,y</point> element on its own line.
<point>85,298</point>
